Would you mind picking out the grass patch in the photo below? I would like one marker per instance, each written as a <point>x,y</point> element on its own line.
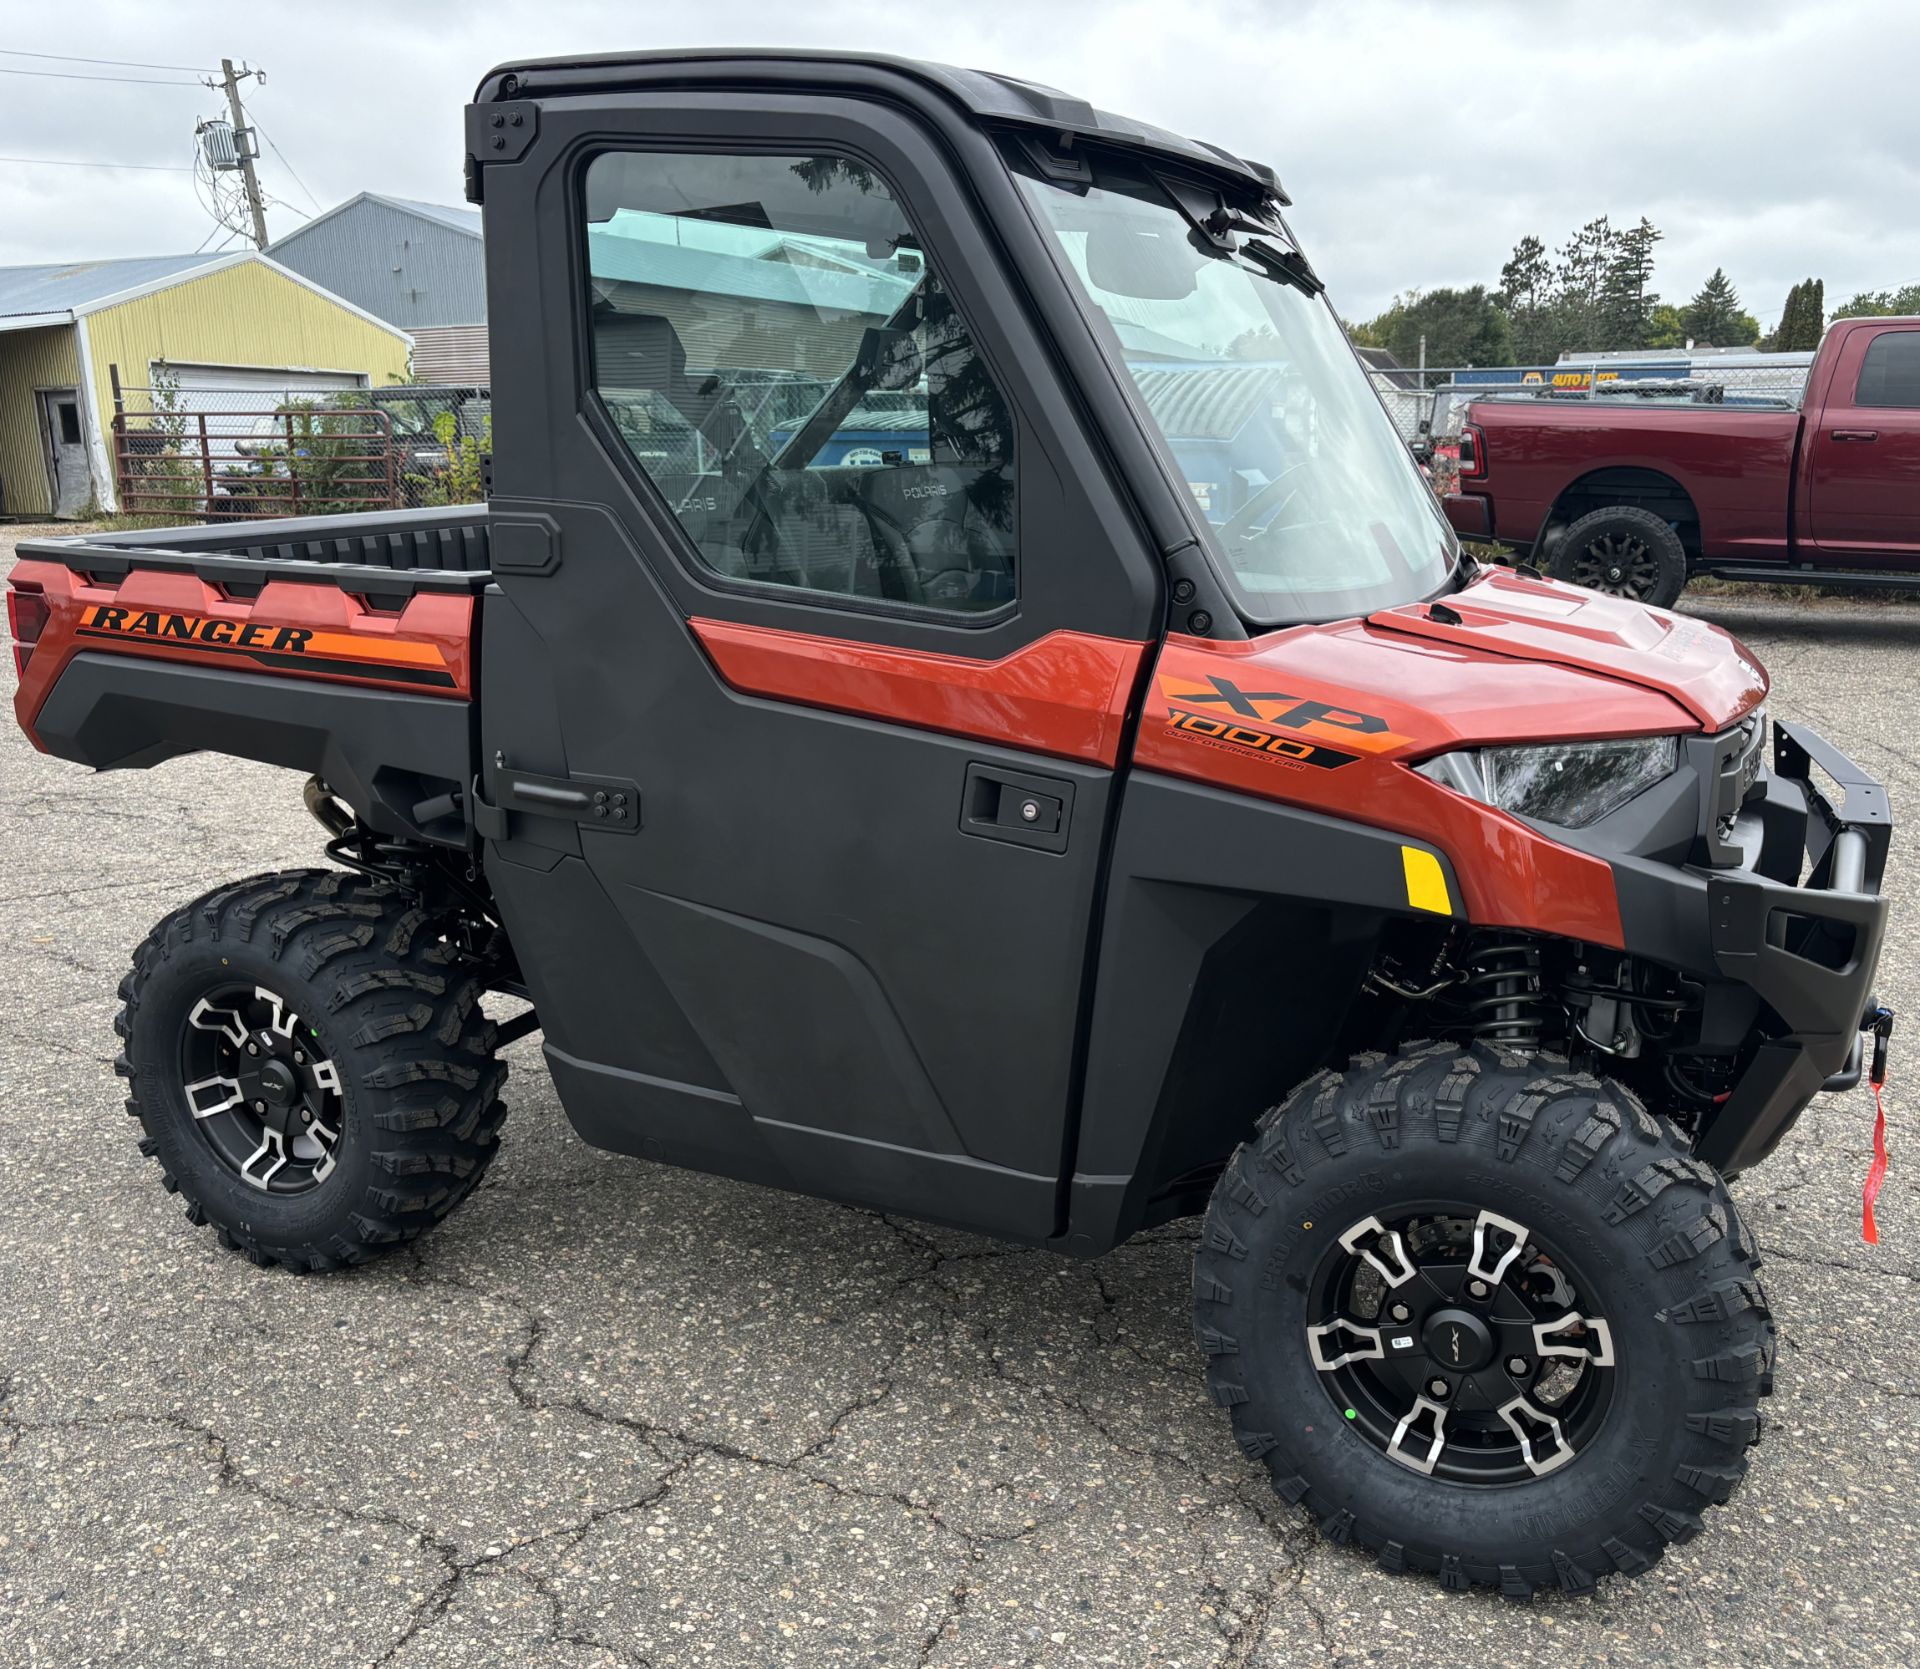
<point>135,524</point>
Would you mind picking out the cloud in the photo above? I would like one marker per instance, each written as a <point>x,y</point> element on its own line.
<point>1420,142</point>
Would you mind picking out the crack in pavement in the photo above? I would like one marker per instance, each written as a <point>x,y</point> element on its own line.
<point>558,1632</point>
<point>692,1446</point>
<point>1814,1262</point>
<point>1845,1370</point>
<point>229,1474</point>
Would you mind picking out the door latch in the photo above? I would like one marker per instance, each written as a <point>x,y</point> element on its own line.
<point>1012,806</point>
<point>611,803</point>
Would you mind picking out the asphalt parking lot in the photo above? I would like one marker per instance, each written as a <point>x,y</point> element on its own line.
<point>614,1414</point>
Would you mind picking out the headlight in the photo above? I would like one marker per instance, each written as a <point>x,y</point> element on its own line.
<point>1570,784</point>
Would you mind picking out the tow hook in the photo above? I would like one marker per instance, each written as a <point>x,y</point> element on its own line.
<point>1877,1023</point>
<point>1880,1024</point>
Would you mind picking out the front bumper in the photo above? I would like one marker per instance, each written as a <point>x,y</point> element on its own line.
<point>1786,959</point>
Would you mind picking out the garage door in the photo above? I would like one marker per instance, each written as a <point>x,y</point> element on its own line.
<point>236,405</point>
<point>225,387</point>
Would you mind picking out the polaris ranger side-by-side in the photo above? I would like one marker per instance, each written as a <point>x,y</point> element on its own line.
<point>960,702</point>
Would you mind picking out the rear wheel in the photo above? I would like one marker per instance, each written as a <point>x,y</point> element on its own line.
<point>1624,552</point>
<point>1485,1317</point>
<point>308,1060</point>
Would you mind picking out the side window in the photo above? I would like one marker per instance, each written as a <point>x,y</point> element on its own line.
<point>775,351</point>
<point>1890,373</point>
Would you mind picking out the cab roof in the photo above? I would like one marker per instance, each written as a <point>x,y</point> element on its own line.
<point>982,94</point>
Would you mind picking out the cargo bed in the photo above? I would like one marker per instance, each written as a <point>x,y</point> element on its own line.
<point>337,646</point>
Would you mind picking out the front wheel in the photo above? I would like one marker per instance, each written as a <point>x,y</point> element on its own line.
<point>1625,552</point>
<point>1485,1317</point>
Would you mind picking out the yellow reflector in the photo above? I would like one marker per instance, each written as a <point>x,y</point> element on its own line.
<point>1426,882</point>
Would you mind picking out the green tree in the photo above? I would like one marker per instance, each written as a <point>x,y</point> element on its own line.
<point>1527,293</point>
<point>1715,316</point>
<point>1881,304</point>
<point>1626,300</point>
<point>1580,278</point>
<point>1802,318</point>
<point>1669,329</point>
<point>1462,327</point>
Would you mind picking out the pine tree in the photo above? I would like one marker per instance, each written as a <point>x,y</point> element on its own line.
<point>1802,319</point>
<point>1714,318</point>
<point>1626,300</point>
<point>1579,278</point>
<point>1526,293</point>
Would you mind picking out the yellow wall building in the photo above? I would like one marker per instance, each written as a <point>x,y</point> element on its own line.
<point>224,332</point>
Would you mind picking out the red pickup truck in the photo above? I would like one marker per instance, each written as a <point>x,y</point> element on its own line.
<point>1632,496</point>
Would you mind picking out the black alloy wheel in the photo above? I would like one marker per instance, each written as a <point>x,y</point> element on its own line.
<point>1456,1344</point>
<point>1623,551</point>
<point>262,1096</point>
<point>1622,564</point>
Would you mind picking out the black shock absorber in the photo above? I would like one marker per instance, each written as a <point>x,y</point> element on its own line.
<point>1501,993</point>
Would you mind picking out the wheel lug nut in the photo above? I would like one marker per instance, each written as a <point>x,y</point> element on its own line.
<point>259,1106</point>
<point>1517,1366</point>
<point>1437,1389</point>
<point>1400,1312</point>
<point>253,1048</point>
<point>1479,1289</point>
<point>299,1059</point>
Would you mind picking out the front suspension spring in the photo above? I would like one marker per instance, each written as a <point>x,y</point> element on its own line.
<point>1501,993</point>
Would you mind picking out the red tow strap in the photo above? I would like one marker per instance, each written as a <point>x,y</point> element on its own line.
<point>1881,1028</point>
<point>1876,1172</point>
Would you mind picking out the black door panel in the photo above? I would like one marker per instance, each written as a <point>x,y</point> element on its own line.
<point>804,967</point>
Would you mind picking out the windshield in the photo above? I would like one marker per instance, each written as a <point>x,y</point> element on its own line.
<point>1315,507</point>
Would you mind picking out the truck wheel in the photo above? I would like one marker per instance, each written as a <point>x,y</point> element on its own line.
<point>307,1057</point>
<point>1625,552</point>
<point>1484,1317</point>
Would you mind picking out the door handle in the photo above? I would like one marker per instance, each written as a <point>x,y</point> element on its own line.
<point>1012,806</point>
<point>1856,434</point>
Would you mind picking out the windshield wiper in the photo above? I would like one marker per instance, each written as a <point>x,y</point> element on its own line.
<point>1288,265</point>
<point>1225,230</point>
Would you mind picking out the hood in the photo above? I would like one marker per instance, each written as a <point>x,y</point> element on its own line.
<point>1705,670</point>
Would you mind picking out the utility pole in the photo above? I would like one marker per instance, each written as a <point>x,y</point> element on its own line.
<point>243,143</point>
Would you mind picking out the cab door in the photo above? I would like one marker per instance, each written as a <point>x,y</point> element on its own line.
<point>1864,473</point>
<point>815,640</point>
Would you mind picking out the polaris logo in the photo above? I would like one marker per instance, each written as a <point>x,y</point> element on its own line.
<point>930,489</point>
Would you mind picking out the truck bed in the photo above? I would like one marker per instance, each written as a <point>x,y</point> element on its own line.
<point>337,646</point>
<point>1725,470</point>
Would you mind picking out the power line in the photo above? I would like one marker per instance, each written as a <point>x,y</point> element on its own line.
<point>71,162</point>
<point>120,63</point>
<point>302,184</point>
<point>115,80</point>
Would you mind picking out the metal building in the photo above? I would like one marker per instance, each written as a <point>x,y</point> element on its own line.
<point>417,265</point>
<point>221,329</point>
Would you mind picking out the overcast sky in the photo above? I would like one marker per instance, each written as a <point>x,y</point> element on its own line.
<point>1418,141</point>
